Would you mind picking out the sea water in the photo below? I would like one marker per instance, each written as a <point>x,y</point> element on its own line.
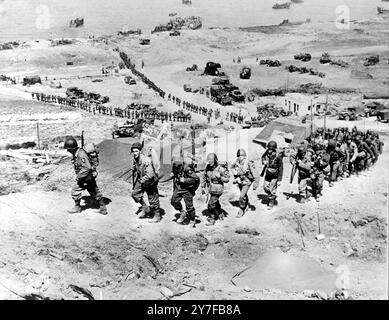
<point>33,19</point>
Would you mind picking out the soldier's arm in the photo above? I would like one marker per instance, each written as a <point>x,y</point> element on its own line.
<point>225,176</point>
<point>148,172</point>
<point>304,166</point>
<point>85,167</point>
<point>280,168</point>
<point>204,178</point>
<point>254,172</point>
<point>191,178</point>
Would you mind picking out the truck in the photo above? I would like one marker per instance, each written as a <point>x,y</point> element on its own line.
<point>245,73</point>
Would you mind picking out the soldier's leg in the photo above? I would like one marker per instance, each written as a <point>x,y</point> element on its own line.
<point>76,194</point>
<point>212,209</point>
<point>137,195</point>
<point>95,193</point>
<point>188,198</point>
<point>175,201</point>
<point>302,189</point>
<point>243,199</point>
<point>272,192</point>
<point>266,186</point>
<point>153,196</point>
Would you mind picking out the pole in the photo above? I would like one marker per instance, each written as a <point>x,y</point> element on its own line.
<point>37,133</point>
<point>311,119</point>
<point>193,142</point>
<point>325,116</point>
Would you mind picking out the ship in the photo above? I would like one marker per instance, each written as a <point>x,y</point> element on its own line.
<point>285,5</point>
<point>78,22</point>
<point>301,1</point>
<point>187,2</point>
<point>382,10</point>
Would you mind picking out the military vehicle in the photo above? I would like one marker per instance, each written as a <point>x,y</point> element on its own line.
<point>350,115</point>
<point>187,88</point>
<point>212,69</point>
<point>31,80</point>
<point>382,10</point>
<point>129,80</point>
<point>144,42</point>
<point>285,5</point>
<point>383,116</point>
<point>76,23</point>
<point>245,73</point>
<point>303,57</point>
<point>192,68</point>
<point>325,58</point>
<point>175,33</point>
<point>372,60</point>
<point>237,96</point>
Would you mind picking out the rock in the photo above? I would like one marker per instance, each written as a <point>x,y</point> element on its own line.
<point>247,230</point>
<point>247,289</point>
<point>321,295</point>
<point>167,292</point>
<point>308,293</point>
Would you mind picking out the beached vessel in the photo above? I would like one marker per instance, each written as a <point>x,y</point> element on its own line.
<point>301,1</point>
<point>285,5</point>
<point>76,23</point>
<point>382,10</point>
<point>187,2</point>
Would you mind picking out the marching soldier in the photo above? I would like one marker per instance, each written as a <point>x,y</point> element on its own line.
<point>145,179</point>
<point>321,168</point>
<point>273,170</point>
<point>185,184</point>
<point>245,175</point>
<point>336,156</point>
<point>303,163</point>
<point>216,174</point>
<point>85,177</point>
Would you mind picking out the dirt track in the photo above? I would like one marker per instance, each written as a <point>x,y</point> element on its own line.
<point>46,250</point>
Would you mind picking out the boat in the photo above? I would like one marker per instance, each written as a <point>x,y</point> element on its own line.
<point>382,10</point>
<point>195,23</point>
<point>285,5</point>
<point>172,14</point>
<point>78,22</point>
<point>301,1</point>
<point>187,2</point>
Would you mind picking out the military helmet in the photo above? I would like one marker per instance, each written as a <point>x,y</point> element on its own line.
<point>300,149</point>
<point>272,145</point>
<point>332,143</point>
<point>70,143</point>
<point>241,152</point>
<point>212,156</point>
<point>317,147</point>
<point>136,145</point>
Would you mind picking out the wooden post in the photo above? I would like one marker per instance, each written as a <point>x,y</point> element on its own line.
<point>325,117</point>
<point>37,133</point>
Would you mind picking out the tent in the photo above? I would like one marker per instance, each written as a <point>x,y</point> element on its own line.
<point>286,132</point>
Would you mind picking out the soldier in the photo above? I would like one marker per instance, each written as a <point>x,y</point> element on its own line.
<point>215,176</point>
<point>336,156</point>
<point>273,170</point>
<point>85,177</point>
<point>145,179</point>
<point>244,176</point>
<point>303,162</point>
<point>185,184</point>
<point>320,169</point>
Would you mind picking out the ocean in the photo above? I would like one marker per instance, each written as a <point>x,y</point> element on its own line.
<point>35,19</point>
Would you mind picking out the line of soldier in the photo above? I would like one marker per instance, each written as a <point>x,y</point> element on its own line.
<point>235,117</point>
<point>332,154</point>
<point>127,112</point>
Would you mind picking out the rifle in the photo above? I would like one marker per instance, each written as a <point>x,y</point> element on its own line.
<point>293,173</point>
<point>82,139</point>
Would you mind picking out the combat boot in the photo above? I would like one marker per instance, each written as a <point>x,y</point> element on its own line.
<point>76,208</point>
<point>145,211</point>
<point>103,208</point>
<point>240,213</point>
<point>192,223</point>
<point>182,217</point>
<point>157,217</point>
<point>270,205</point>
<point>210,221</point>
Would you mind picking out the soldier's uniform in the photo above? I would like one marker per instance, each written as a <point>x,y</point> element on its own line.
<point>244,176</point>
<point>85,179</point>
<point>145,179</point>
<point>273,174</point>
<point>185,183</point>
<point>303,162</point>
<point>214,177</point>
<point>320,169</point>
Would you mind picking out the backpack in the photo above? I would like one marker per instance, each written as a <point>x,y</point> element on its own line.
<point>196,184</point>
<point>93,154</point>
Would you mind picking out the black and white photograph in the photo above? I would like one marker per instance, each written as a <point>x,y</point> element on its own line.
<point>186,150</point>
